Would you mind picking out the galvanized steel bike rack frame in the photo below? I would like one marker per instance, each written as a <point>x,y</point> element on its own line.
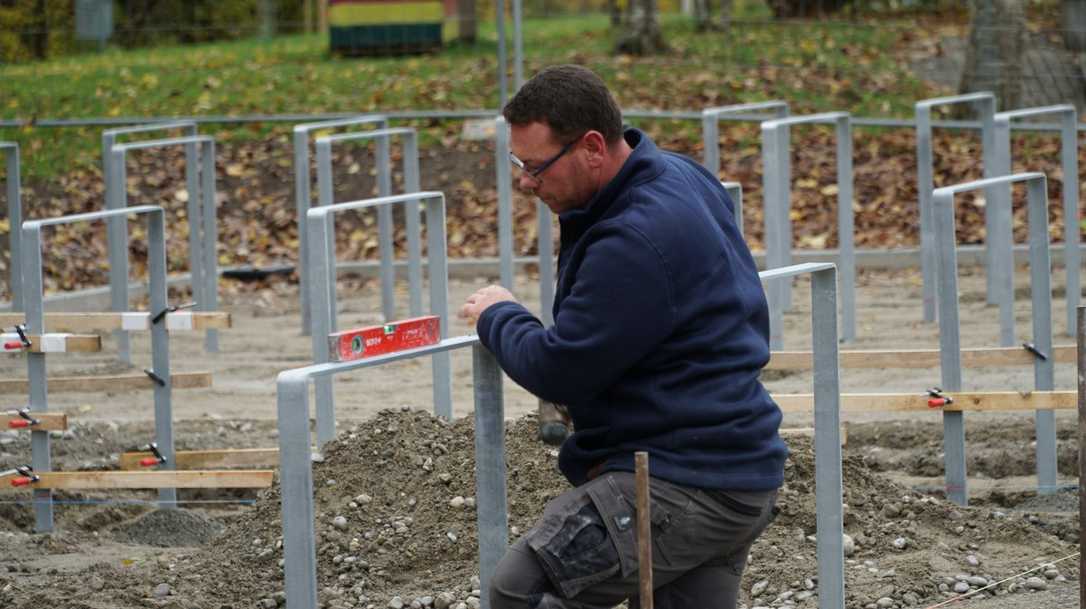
<point>296,470</point>
<point>949,330</point>
<point>160,343</point>
<point>203,231</point>
<point>925,184</point>
<point>710,126</point>
<point>303,179</point>
<point>1002,237</point>
<point>777,182</point>
<point>326,196</point>
<point>15,220</point>
<point>323,295</point>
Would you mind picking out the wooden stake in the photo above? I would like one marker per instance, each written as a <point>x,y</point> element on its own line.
<point>152,479</point>
<point>1081,343</point>
<point>107,322</point>
<point>124,382</point>
<point>198,459</point>
<point>644,528</point>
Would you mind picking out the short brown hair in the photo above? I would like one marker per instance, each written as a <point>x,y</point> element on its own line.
<point>569,99</point>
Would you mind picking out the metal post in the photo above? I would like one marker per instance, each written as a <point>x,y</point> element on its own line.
<point>518,45</point>
<point>384,229</point>
<point>194,209</point>
<point>33,300</point>
<point>490,487</point>
<point>436,251</point>
<point>710,122</point>
<point>710,138</point>
<point>210,239</point>
<point>503,60</point>
<point>950,363</point>
<point>412,222</point>
<point>322,299</point>
<point>117,235</point>
<point>735,193</point>
<point>1072,256</point>
<point>505,201</point>
<point>15,222</point>
<point>160,350</point>
<point>1040,278</point>
<point>774,187</point>
<point>1081,341</point>
<point>296,491</point>
<point>302,196</point>
<point>846,252</point>
<point>545,244</point>
<point>1001,239</point>
<point>829,515</point>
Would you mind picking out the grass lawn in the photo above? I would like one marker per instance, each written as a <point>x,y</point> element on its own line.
<point>816,67</point>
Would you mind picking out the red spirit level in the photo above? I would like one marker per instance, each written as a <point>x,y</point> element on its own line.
<point>387,338</point>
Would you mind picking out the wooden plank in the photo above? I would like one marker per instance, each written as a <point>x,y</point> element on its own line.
<point>109,321</point>
<point>963,401</point>
<point>147,479</point>
<point>920,358</point>
<point>200,459</point>
<point>123,382</point>
<point>47,421</point>
<point>56,343</point>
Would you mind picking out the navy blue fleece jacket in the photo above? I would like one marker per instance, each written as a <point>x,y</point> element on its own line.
<point>661,329</point>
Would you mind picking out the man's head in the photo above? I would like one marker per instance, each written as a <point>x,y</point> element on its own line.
<point>566,132</point>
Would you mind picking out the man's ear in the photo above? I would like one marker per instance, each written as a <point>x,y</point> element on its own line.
<point>596,147</point>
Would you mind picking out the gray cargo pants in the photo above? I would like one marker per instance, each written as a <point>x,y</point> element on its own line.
<point>583,552</point>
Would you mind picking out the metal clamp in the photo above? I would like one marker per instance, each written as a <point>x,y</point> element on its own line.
<point>24,421</point>
<point>158,459</point>
<point>938,399</point>
<point>1035,351</point>
<point>25,473</point>
<point>161,382</point>
<point>23,342</point>
<point>170,309</point>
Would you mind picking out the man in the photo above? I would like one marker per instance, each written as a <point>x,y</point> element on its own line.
<point>660,332</point>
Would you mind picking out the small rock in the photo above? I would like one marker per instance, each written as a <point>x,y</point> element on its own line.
<point>961,587</point>
<point>758,588</point>
<point>885,602</point>
<point>473,602</point>
<point>1051,573</point>
<point>339,522</point>
<point>395,603</point>
<point>809,584</point>
<point>1036,583</point>
<point>901,543</point>
<point>976,580</point>
<point>444,600</point>
<point>848,544</point>
<point>972,561</point>
<point>267,603</point>
<point>457,502</point>
<point>162,590</point>
<point>363,499</point>
<point>803,595</point>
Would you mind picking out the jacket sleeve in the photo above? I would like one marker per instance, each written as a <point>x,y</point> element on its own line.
<point>618,310</point>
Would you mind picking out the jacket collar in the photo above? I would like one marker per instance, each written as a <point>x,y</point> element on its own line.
<point>644,163</point>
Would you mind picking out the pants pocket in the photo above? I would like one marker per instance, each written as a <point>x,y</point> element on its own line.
<point>587,542</point>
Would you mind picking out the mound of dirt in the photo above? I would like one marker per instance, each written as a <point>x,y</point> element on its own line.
<point>168,528</point>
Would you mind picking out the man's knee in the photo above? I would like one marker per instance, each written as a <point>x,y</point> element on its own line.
<point>518,581</point>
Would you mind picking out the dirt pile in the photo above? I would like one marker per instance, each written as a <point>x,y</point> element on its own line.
<point>169,528</point>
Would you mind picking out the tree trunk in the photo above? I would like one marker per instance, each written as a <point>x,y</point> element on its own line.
<point>642,36</point>
<point>1074,22</point>
<point>467,28</point>
<point>40,48</point>
<point>615,11</point>
<point>993,61</point>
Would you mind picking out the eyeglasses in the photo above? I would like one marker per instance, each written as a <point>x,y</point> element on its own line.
<point>538,171</point>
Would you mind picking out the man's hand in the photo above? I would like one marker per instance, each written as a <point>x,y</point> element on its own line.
<point>480,300</point>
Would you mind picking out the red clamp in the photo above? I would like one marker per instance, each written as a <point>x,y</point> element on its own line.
<point>24,421</point>
<point>21,344</point>
<point>158,459</point>
<point>26,475</point>
<point>938,399</point>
